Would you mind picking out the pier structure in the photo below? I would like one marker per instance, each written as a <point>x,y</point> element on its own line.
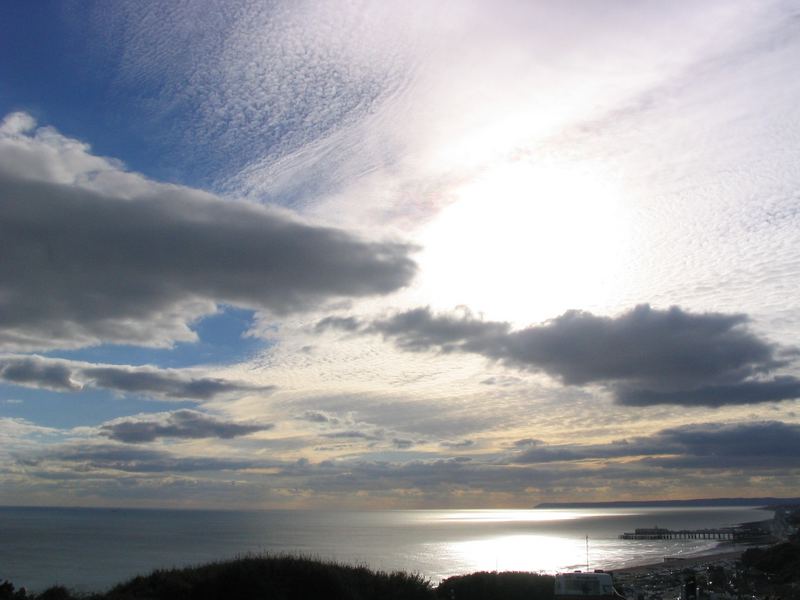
<point>657,533</point>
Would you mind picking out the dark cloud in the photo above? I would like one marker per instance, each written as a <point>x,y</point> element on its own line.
<point>130,459</point>
<point>402,444</point>
<point>186,424</point>
<point>647,347</point>
<point>64,375</point>
<point>38,372</point>
<point>745,392</point>
<point>80,267</point>
<point>766,444</point>
<point>646,356</point>
<point>419,329</point>
<point>315,416</point>
<point>163,383</point>
<point>343,323</point>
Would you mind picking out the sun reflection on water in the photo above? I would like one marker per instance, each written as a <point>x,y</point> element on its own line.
<point>553,540</point>
<point>520,553</point>
<point>498,516</point>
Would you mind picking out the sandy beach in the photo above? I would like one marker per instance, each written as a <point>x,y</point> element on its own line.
<point>680,562</point>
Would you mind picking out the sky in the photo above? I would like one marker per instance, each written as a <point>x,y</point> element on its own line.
<point>318,254</point>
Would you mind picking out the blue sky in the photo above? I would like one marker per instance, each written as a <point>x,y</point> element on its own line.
<point>398,254</point>
<point>55,53</point>
<point>221,339</point>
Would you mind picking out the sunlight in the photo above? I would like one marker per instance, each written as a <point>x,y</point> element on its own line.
<point>509,516</point>
<point>524,243</point>
<point>521,553</point>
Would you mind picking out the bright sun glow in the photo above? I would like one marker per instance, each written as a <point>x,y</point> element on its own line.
<point>520,553</point>
<point>524,243</point>
<point>510,516</point>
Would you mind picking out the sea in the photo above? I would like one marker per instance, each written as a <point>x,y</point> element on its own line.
<point>90,549</point>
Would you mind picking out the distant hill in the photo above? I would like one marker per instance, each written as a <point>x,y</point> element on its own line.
<point>675,503</point>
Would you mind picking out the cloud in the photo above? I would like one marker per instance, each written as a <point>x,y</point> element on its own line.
<point>310,98</point>
<point>402,443</point>
<point>353,434</point>
<point>766,444</point>
<point>407,416</point>
<point>458,445</point>
<point>643,345</point>
<point>501,381</point>
<point>526,443</point>
<point>699,457</point>
<point>165,384</point>
<point>86,261</point>
<point>316,416</point>
<point>20,435</point>
<point>343,323</point>
<point>38,372</point>
<point>745,392</point>
<point>83,457</point>
<point>646,356</point>
<point>283,95</point>
<point>544,453</point>
<point>183,424</point>
<point>71,376</point>
<point>446,475</point>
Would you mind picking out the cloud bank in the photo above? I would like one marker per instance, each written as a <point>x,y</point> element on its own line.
<point>699,456</point>
<point>769,444</point>
<point>93,254</point>
<point>646,356</point>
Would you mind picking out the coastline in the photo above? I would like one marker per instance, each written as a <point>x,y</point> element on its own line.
<point>768,572</point>
<point>673,562</point>
<point>726,551</point>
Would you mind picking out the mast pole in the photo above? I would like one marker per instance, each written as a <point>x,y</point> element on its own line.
<point>587,553</point>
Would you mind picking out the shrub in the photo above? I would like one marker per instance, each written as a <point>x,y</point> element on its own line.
<point>274,578</point>
<point>497,586</point>
<point>782,561</point>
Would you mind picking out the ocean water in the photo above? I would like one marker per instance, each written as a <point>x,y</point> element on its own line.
<point>92,549</point>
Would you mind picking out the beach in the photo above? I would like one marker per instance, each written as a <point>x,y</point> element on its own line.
<point>671,563</point>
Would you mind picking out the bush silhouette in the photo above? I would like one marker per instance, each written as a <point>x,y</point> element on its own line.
<point>274,578</point>
<point>485,585</point>
<point>298,578</point>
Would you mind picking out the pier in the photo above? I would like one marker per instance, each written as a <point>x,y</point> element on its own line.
<point>657,533</point>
